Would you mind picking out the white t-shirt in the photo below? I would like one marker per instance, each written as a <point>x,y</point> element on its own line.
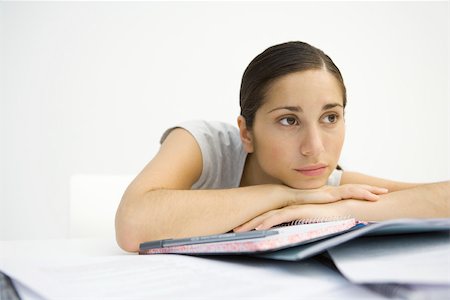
<point>223,154</point>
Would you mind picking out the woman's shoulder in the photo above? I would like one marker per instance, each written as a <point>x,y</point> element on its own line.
<point>223,156</point>
<point>207,131</point>
<point>213,126</point>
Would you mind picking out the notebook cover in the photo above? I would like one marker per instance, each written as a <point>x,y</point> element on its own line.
<point>287,236</point>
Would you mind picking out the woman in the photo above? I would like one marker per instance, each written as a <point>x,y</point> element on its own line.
<point>280,165</point>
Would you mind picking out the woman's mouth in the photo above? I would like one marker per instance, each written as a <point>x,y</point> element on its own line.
<point>312,170</point>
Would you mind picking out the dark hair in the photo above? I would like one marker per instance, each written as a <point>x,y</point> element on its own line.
<point>277,61</point>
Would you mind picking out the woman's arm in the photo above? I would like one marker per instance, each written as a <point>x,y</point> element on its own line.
<point>160,204</point>
<point>421,201</point>
<point>358,178</point>
<point>167,213</point>
<point>405,200</point>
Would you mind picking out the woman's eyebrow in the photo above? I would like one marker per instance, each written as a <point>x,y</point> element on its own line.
<point>299,109</point>
<point>291,108</point>
<point>331,105</point>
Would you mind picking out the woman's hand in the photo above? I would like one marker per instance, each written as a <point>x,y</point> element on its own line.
<point>304,205</point>
<point>327,194</point>
<point>296,212</point>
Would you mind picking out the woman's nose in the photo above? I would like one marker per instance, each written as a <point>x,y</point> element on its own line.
<point>312,143</point>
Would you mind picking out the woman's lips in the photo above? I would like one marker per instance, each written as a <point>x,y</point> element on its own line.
<point>312,170</point>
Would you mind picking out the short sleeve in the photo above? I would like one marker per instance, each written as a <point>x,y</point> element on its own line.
<point>222,153</point>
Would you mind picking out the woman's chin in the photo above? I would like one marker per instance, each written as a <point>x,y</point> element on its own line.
<point>308,185</point>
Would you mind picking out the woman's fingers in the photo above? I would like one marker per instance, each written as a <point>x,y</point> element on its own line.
<point>253,223</point>
<point>282,216</point>
<point>328,194</point>
<point>360,192</point>
<point>279,216</point>
<point>292,213</point>
<point>264,221</point>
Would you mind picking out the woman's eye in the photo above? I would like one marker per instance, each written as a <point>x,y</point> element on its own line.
<point>288,121</point>
<point>331,118</point>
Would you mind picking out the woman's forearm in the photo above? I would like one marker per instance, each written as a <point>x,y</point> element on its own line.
<point>164,213</point>
<point>161,214</point>
<point>424,201</point>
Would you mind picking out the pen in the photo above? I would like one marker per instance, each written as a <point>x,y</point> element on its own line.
<point>207,239</point>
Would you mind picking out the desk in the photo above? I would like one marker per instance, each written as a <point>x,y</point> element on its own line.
<point>98,269</point>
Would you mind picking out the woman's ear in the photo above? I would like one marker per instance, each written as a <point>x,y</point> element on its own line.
<point>246,135</point>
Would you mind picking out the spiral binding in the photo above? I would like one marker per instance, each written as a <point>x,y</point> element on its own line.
<point>314,220</point>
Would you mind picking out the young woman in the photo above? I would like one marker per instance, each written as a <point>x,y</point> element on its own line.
<point>280,165</point>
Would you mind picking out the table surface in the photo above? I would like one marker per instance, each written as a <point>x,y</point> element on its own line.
<point>96,268</point>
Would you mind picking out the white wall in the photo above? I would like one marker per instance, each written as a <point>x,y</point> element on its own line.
<point>89,87</point>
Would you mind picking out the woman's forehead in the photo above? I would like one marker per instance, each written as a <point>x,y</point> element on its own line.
<point>304,89</point>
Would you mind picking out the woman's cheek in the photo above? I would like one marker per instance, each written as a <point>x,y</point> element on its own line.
<point>277,151</point>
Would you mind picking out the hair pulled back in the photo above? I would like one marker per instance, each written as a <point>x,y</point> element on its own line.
<point>274,62</point>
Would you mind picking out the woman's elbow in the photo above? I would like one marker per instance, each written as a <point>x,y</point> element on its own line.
<point>127,227</point>
<point>126,236</point>
<point>135,223</point>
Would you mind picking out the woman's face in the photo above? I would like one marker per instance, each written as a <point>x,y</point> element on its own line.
<point>298,132</point>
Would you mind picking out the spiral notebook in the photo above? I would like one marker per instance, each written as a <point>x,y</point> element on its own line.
<point>256,241</point>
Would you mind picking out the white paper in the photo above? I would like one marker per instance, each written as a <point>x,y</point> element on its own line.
<point>410,258</point>
<point>412,291</point>
<point>174,276</point>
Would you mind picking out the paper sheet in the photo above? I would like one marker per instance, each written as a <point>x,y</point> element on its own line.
<point>174,276</point>
<point>410,258</point>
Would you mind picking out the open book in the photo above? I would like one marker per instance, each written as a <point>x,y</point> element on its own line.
<point>384,228</point>
<point>294,242</point>
<point>256,241</point>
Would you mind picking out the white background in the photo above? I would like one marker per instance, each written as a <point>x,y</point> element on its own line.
<point>89,87</point>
